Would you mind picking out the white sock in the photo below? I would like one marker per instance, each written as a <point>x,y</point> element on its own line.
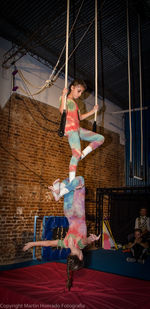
<point>55,195</point>
<point>86,151</point>
<point>71,176</point>
<point>63,191</point>
<point>62,185</point>
<point>58,186</point>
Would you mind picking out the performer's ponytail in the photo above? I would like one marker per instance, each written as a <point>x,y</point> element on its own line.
<point>73,263</point>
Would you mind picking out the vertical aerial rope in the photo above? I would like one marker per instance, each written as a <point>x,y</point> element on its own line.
<point>53,77</point>
<point>141,97</point>
<point>63,117</point>
<point>74,42</point>
<point>129,88</point>
<point>102,68</point>
<point>96,67</point>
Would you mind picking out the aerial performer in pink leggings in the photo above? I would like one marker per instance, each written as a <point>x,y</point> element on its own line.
<point>73,130</point>
<point>74,209</point>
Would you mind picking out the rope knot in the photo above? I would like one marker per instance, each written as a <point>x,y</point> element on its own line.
<point>48,83</point>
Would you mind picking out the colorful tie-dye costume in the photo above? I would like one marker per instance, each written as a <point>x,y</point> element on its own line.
<point>75,133</point>
<point>74,210</point>
<point>72,119</point>
<point>74,141</point>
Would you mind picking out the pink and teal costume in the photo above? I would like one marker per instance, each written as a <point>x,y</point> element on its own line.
<point>75,134</point>
<point>74,210</point>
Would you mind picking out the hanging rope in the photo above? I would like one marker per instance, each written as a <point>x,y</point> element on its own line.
<point>129,87</point>
<point>41,89</point>
<point>26,81</point>
<point>63,117</point>
<point>90,24</point>
<point>96,67</point>
<point>141,99</point>
<point>51,77</point>
<point>141,105</point>
<point>102,69</point>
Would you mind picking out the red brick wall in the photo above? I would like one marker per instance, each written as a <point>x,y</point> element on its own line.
<point>32,157</point>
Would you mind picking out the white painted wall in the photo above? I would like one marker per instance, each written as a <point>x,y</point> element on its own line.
<point>37,73</point>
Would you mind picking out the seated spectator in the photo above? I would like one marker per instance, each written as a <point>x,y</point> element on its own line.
<point>139,248</point>
<point>143,223</point>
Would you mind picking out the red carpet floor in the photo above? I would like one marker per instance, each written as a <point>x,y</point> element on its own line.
<point>43,286</point>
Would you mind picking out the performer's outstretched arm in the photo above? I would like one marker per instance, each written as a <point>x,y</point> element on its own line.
<point>42,243</point>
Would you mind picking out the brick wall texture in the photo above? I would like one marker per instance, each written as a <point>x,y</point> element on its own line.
<point>32,156</point>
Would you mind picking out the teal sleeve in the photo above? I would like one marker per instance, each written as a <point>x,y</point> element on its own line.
<point>60,100</point>
<point>61,243</point>
<point>81,245</point>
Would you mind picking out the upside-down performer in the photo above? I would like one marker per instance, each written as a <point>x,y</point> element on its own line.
<point>76,238</point>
